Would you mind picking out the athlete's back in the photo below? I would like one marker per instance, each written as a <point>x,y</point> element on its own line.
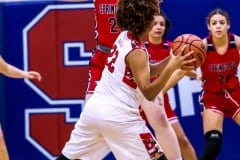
<point>117,79</point>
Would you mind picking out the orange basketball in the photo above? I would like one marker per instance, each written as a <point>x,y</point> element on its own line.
<point>192,42</point>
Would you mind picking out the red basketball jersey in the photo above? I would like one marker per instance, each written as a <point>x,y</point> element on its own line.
<point>106,26</point>
<point>158,52</point>
<point>220,71</point>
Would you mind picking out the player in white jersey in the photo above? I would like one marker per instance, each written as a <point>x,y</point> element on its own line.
<point>111,118</point>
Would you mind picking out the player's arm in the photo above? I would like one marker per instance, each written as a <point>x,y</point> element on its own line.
<point>14,72</point>
<point>178,75</point>
<point>137,60</point>
<point>175,77</point>
<point>156,68</point>
<point>205,43</point>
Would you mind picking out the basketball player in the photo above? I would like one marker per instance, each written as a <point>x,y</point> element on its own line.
<point>107,32</point>
<point>110,118</point>
<point>13,72</point>
<point>220,96</point>
<point>159,48</point>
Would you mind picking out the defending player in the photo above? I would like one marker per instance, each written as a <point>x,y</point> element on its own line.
<point>221,90</point>
<point>159,48</point>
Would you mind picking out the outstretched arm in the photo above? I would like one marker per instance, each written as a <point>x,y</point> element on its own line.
<point>14,72</point>
<point>137,61</point>
<point>176,76</point>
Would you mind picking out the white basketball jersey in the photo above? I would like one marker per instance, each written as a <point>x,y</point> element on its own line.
<point>117,80</point>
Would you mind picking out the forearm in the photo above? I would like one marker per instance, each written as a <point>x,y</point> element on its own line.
<point>13,72</point>
<point>152,89</point>
<point>175,77</point>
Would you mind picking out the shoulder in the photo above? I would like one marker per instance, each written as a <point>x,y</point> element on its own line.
<point>237,40</point>
<point>137,53</point>
<point>205,42</point>
<point>136,56</point>
<point>168,43</point>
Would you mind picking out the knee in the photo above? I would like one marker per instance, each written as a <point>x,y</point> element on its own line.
<point>213,139</point>
<point>213,144</point>
<point>160,119</point>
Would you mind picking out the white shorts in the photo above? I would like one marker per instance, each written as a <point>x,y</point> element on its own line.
<point>101,128</point>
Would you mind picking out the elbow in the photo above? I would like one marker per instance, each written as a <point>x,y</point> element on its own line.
<point>150,94</point>
<point>149,97</point>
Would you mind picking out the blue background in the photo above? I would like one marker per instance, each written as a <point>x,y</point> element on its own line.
<point>16,96</point>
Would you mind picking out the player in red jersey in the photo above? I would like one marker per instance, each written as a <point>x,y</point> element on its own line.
<point>106,32</point>
<point>159,48</point>
<point>13,72</point>
<point>220,96</point>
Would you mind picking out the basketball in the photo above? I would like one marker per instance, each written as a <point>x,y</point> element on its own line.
<point>192,42</point>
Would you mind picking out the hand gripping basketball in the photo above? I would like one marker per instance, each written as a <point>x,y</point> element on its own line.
<point>192,42</point>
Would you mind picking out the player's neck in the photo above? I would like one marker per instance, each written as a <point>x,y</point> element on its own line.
<point>155,40</point>
<point>143,37</point>
<point>222,41</point>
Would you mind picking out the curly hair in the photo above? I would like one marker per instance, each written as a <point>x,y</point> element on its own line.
<point>136,15</point>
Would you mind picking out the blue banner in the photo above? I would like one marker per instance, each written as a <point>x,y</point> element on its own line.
<point>56,38</point>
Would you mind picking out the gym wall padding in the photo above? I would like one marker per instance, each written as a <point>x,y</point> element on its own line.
<point>56,39</point>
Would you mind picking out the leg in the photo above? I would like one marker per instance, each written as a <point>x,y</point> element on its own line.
<point>212,126</point>
<point>186,147</point>
<point>164,132</point>
<point>3,148</point>
<point>86,140</point>
<point>237,118</point>
<point>131,140</point>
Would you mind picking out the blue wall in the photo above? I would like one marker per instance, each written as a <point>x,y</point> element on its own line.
<point>2,91</point>
<point>56,38</point>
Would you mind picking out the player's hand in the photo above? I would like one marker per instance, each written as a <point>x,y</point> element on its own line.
<point>34,75</point>
<point>180,60</point>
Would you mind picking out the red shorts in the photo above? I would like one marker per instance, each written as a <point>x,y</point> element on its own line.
<point>171,115</point>
<point>224,102</point>
<point>97,64</point>
<point>168,109</point>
